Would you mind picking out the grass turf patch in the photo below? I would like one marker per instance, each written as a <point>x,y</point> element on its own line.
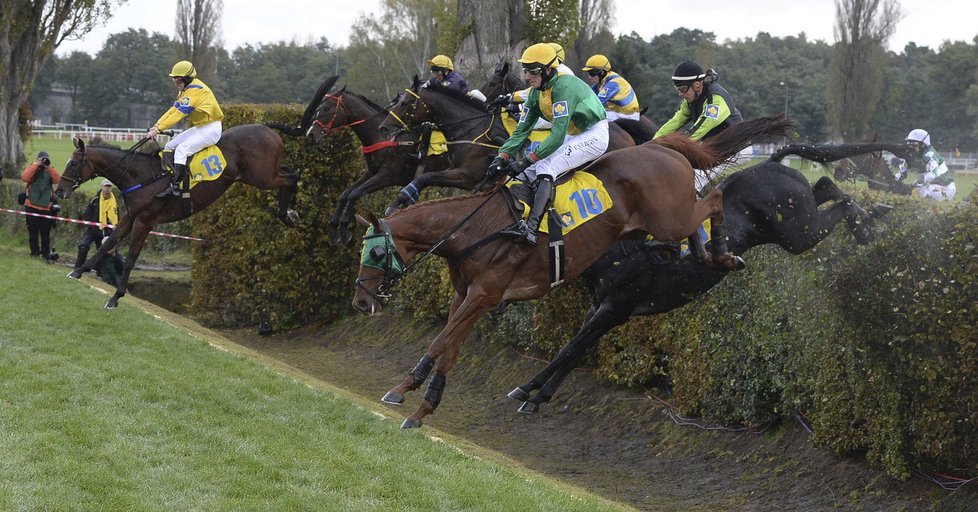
<point>120,410</point>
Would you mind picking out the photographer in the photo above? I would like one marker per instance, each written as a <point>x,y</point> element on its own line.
<point>40,177</point>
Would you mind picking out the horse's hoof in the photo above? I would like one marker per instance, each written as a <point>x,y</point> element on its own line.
<point>346,236</point>
<point>879,210</point>
<point>739,263</point>
<point>293,217</point>
<point>528,408</point>
<point>393,397</point>
<point>519,394</point>
<point>110,305</point>
<point>410,423</point>
<point>334,238</point>
<point>74,274</point>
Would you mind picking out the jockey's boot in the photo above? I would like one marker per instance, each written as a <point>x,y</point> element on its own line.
<point>178,171</point>
<point>526,231</point>
<point>166,159</point>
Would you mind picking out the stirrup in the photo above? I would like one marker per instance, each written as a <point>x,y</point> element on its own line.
<point>518,229</point>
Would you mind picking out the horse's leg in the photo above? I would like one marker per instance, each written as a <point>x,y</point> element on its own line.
<point>721,258</point>
<point>419,373</point>
<point>139,233</point>
<point>335,220</point>
<point>446,348</point>
<point>522,392</point>
<point>612,312</point>
<point>122,230</point>
<point>286,198</point>
<point>376,182</point>
<point>857,218</point>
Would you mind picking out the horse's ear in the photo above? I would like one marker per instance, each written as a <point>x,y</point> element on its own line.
<point>505,68</point>
<point>416,83</point>
<point>80,144</point>
<point>341,91</point>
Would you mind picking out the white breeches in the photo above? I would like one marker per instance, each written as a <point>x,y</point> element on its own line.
<point>194,139</point>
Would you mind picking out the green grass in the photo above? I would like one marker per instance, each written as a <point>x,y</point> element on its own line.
<point>123,411</point>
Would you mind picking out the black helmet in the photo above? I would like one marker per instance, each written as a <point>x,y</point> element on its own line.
<point>687,72</point>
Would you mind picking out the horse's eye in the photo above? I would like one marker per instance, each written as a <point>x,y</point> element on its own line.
<point>378,253</point>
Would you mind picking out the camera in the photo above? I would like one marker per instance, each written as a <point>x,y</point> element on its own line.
<point>46,161</point>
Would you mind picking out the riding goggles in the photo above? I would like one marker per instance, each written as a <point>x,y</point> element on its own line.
<point>533,70</point>
<point>594,72</point>
<point>682,87</point>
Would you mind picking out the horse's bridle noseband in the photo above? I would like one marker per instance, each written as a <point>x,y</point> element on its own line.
<point>390,262</point>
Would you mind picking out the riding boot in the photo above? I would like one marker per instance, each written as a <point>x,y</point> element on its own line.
<point>178,171</point>
<point>526,231</point>
<point>166,159</point>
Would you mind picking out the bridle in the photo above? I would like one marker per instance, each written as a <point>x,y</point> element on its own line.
<point>379,252</point>
<point>329,128</point>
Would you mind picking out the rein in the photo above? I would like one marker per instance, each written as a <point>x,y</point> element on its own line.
<point>130,154</point>
<point>392,274</point>
<point>474,141</point>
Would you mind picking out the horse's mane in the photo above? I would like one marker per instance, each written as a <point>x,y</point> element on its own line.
<point>366,100</point>
<point>119,150</point>
<point>458,95</point>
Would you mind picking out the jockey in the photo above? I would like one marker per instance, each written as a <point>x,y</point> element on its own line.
<point>196,102</point>
<point>936,179</point>
<point>515,100</point>
<point>579,133</point>
<point>615,92</point>
<point>706,104</point>
<point>443,73</point>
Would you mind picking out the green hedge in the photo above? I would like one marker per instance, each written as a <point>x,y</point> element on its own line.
<point>875,345</point>
<point>251,267</point>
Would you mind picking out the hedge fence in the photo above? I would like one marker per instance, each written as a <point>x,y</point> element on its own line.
<point>876,345</point>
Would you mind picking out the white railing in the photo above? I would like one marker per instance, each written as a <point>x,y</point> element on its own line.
<point>71,131</point>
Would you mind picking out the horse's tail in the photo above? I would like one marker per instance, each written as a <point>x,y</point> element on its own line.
<point>729,142</point>
<point>299,131</point>
<point>824,153</point>
<point>700,156</point>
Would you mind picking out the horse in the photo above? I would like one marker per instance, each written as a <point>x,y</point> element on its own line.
<point>651,191</point>
<point>254,156</point>
<point>388,163</point>
<point>768,203</point>
<point>474,136</point>
<point>873,169</point>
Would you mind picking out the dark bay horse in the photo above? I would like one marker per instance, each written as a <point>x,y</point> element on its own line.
<point>873,169</point>
<point>651,187</point>
<point>254,156</point>
<point>474,136</point>
<point>388,163</point>
<point>768,203</point>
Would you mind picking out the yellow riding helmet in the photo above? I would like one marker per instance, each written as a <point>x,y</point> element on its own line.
<point>597,62</point>
<point>184,68</point>
<point>559,50</point>
<point>540,53</point>
<point>441,61</point>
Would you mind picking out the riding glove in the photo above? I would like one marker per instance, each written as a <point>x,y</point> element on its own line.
<point>496,168</point>
<point>502,100</point>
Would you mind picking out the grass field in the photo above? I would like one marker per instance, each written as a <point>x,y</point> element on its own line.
<point>126,410</point>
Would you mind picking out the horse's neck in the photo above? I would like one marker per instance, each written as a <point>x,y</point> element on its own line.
<point>460,122</point>
<point>120,167</point>
<point>420,227</point>
<point>369,130</point>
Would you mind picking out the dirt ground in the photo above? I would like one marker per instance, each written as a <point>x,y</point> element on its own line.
<point>618,443</point>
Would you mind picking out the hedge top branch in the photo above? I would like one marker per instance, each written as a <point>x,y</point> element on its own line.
<point>75,221</point>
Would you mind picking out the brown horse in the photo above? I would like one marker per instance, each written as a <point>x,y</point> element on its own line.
<point>651,187</point>
<point>473,135</point>
<point>254,156</point>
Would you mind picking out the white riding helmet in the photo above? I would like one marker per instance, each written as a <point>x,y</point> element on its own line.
<point>919,135</point>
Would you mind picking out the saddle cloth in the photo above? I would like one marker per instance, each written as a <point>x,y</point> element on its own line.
<point>579,199</point>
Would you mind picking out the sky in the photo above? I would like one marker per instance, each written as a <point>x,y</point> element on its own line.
<point>927,23</point>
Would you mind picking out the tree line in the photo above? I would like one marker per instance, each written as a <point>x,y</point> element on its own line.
<point>850,90</point>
